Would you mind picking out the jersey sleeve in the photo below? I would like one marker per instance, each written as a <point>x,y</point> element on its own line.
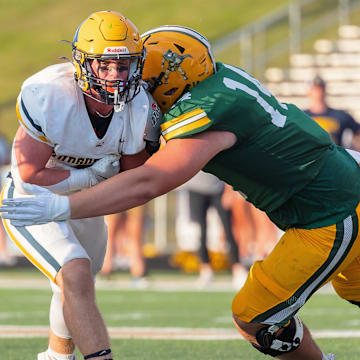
<point>144,123</point>
<point>30,116</point>
<point>351,123</point>
<point>184,125</point>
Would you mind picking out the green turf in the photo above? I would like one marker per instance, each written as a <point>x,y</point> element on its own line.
<point>131,349</point>
<point>193,309</point>
<point>187,309</point>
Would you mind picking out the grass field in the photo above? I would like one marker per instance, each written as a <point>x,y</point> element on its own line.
<point>160,324</point>
<point>132,349</point>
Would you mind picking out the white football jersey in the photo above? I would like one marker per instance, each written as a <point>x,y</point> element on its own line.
<point>51,109</point>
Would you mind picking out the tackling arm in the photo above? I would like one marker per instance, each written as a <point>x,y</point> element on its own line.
<point>128,162</point>
<point>170,167</point>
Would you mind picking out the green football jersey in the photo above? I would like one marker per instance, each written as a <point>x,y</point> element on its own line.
<point>283,162</point>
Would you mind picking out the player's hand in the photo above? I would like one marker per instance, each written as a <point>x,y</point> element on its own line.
<point>43,207</point>
<point>104,168</point>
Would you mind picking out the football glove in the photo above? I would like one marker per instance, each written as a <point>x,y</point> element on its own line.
<point>103,169</point>
<point>43,207</point>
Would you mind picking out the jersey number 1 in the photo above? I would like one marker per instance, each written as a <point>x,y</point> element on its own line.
<point>276,118</point>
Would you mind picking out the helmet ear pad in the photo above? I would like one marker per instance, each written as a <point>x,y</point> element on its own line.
<point>79,64</point>
<point>177,59</point>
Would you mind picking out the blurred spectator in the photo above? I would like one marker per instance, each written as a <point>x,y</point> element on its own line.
<point>5,258</point>
<point>338,123</point>
<point>206,191</point>
<point>355,145</point>
<point>253,230</point>
<point>124,247</point>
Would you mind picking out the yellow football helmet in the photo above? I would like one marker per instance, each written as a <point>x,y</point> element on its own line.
<point>108,35</point>
<point>177,58</point>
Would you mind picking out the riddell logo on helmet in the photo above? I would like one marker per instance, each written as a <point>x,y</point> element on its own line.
<point>116,50</point>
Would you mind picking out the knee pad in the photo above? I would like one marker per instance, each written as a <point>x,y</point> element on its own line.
<point>57,322</point>
<point>354,302</point>
<point>275,345</point>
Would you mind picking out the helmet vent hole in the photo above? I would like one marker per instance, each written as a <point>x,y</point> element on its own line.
<point>153,43</point>
<point>170,91</point>
<point>180,48</point>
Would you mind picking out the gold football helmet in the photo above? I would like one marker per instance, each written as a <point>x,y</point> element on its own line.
<point>108,35</point>
<point>177,58</point>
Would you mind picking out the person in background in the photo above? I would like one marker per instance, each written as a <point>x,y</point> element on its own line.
<point>338,123</point>
<point>204,191</point>
<point>124,245</point>
<point>253,230</point>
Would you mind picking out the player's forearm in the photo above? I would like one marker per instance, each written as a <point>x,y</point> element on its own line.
<point>121,192</point>
<point>44,177</point>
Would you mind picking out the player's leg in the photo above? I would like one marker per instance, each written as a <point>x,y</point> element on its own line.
<point>59,349</point>
<point>44,256</point>
<point>61,344</point>
<point>81,313</point>
<point>115,223</point>
<point>267,234</point>
<point>50,247</point>
<point>134,236</point>
<point>244,228</point>
<point>199,204</point>
<point>238,270</point>
<point>278,287</point>
<point>347,283</point>
<point>76,279</point>
<point>307,348</point>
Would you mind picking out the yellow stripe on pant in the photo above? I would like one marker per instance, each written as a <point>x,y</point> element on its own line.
<point>301,262</point>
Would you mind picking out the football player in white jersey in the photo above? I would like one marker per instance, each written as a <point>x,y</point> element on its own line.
<point>81,122</point>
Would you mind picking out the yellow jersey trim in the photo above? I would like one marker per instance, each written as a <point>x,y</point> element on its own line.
<point>183,117</point>
<point>42,138</point>
<point>24,251</point>
<point>187,128</point>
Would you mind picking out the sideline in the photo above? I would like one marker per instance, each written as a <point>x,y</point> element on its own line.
<point>152,285</point>
<point>10,331</point>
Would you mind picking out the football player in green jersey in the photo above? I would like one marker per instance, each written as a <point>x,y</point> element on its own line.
<point>220,119</point>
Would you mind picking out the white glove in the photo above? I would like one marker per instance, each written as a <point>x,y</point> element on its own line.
<point>43,207</point>
<point>103,169</point>
<point>80,179</point>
